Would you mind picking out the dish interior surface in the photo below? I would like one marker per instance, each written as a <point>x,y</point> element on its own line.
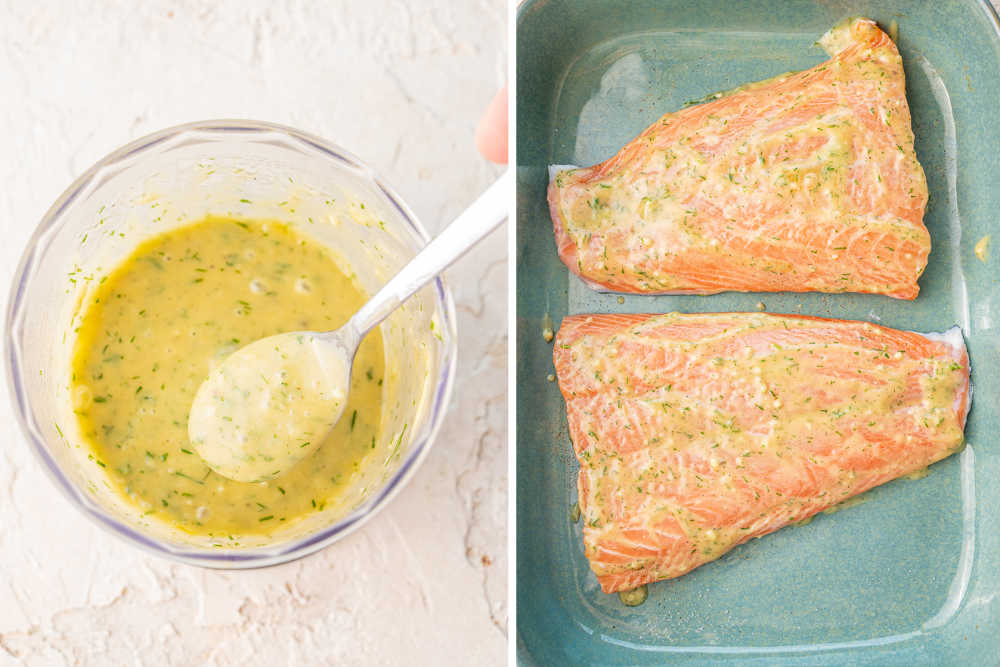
<point>911,567</point>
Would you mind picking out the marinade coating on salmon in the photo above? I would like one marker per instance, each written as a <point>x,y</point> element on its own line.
<point>805,182</point>
<point>697,432</point>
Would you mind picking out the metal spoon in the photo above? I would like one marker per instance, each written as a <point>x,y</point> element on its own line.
<point>271,403</point>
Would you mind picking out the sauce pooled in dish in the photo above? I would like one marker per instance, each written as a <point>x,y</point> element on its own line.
<point>155,327</point>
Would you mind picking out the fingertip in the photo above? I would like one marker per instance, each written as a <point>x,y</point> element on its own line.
<point>491,133</point>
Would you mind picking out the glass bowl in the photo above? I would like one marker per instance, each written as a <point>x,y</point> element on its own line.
<point>247,169</point>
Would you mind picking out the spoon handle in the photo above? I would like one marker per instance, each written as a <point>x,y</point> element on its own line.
<point>479,219</point>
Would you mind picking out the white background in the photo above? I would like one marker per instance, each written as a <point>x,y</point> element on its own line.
<point>399,83</point>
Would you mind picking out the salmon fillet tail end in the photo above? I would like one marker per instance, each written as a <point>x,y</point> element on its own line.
<point>805,182</point>
<point>697,432</point>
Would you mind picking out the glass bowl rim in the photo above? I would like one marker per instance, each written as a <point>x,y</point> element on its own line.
<point>224,557</point>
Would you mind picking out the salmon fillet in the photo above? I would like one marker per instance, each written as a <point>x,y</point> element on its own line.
<point>697,432</point>
<point>807,182</point>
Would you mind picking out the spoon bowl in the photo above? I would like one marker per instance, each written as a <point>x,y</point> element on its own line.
<point>270,404</point>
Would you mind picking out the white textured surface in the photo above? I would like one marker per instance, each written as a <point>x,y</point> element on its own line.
<point>401,84</point>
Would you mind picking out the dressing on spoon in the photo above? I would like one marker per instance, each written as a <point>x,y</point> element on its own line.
<point>265,406</point>
<point>270,404</point>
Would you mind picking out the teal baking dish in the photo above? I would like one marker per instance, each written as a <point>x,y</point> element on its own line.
<point>912,573</point>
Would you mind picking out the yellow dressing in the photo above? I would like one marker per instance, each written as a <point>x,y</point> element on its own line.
<point>982,249</point>
<point>169,314</point>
